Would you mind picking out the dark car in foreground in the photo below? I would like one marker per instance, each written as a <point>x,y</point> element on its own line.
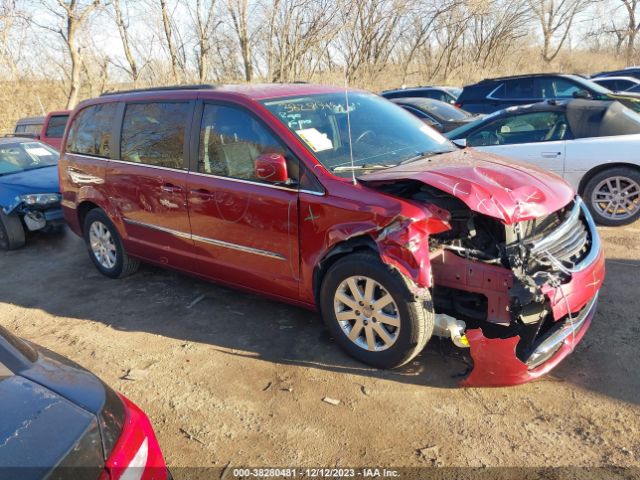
<point>441,116</point>
<point>343,203</point>
<point>29,190</point>
<point>443,94</point>
<point>494,94</point>
<point>59,421</point>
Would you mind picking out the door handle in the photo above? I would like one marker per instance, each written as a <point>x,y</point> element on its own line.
<point>170,188</point>
<point>202,193</point>
<point>551,154</point>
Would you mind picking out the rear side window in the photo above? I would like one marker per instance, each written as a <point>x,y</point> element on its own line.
<point>557,88</point>
<point>90,132</point>
<point>520,88</point>
<point>56,126</point>
<point>153,134</point>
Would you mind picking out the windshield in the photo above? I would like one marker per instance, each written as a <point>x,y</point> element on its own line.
<point>382,134</point>
<point>443,111</point>
<point>461,132</point>
<point>21,156</point>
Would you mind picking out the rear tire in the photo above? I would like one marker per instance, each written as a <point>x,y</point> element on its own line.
<point>105,246</point>
<point>386,326</point>
<point>613,196</point>
<point>12,235</point>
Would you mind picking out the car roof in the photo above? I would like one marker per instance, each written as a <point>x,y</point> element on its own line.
<point>252,91</point>
<point>420,87</point>
<point>420,101</point>
<point>616,77</point>
<point>30,120</point>
<point>529,75</point>
<point>16,138</point>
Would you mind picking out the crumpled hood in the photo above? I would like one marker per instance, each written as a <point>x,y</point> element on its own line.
<point>40,180</point>
<point>511,192</point>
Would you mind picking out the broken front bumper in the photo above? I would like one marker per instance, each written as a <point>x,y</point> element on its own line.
<point>495,361</point>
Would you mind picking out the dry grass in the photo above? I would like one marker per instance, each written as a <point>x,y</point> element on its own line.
<point>27,97</point>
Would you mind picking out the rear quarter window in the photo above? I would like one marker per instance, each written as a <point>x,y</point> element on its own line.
<point>90,132</point>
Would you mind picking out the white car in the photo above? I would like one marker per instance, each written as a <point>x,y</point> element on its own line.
<point>593,145</point>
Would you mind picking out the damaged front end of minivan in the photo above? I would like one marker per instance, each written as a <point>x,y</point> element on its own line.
<point>515,276</point>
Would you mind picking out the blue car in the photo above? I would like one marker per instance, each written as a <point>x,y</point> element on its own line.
<point>29,190</point>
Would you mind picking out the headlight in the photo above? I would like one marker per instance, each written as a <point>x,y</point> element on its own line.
<point>40,198</point>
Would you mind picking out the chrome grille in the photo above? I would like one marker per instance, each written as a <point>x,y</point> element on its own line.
<point>565,246</point>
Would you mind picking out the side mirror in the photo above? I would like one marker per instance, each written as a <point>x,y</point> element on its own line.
<point>582,94</point>
<point>271,167</point>
<point>460,142</point>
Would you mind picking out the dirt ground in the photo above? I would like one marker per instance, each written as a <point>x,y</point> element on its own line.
<point>229,378</point>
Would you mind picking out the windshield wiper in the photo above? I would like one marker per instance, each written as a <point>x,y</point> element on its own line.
<point>422,155</point>
<point>370,166</point>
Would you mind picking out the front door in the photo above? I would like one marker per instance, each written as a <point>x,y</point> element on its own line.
<point>148,182</point>
<point>536,137</point>
<point>245,231</point>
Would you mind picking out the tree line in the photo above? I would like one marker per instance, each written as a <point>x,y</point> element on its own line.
<point>87,46</point>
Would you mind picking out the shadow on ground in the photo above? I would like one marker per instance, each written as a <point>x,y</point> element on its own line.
<point>54,273</point>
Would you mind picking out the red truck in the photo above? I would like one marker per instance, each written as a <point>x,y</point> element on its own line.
<point>49,129</point>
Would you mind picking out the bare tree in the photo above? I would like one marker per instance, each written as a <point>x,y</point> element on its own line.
<point>555,18</point>
<point>122,22</point>
<point>632,27</point>
<point>72,15</point>
<point>239,12</point>
<point>203,16</point>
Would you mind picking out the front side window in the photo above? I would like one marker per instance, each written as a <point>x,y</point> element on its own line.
<point>526,128</point>
<point>21,156</point>
<point>378,133</point>
<point>56,126</point>
<point>90,132</point>
<point>557,88</point>
<point>153,134</point>
<point>231,140</point>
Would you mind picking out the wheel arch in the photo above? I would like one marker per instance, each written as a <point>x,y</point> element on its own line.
<point>338,251</point>
<point>83,209</point>
<point>586,178</point>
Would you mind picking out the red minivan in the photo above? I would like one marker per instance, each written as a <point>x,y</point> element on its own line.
<point>342,202</point>
<point>49,129</point>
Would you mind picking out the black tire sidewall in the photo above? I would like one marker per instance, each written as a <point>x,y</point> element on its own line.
<point>99,215</point>
<point>595,180</point>
<point>370,266</point>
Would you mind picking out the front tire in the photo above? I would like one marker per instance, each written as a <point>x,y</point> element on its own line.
<point>371,313</point>
<point>12,235</point>
<point>613,196</point>
<point>105,246</point>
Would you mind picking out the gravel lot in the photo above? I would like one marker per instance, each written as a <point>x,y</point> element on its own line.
<point>229,378</point>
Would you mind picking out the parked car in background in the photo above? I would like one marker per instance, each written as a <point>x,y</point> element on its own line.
<point>441,116</point>
<point>59,421</point>
<point>29,190</point>
<point>339,202</point>
<point>49,129</point>
<point>626,72</point>
<point>443,94</point>
<point>29,126</point>
<point>593,145</point>
<point>617,84</point>
<point>495,94</point>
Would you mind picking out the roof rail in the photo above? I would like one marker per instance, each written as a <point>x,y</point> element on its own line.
<point>203,86</point>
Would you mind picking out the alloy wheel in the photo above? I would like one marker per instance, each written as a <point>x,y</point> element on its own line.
<point>102,245</point>
<point>367,313</point>
<point>616,198</point>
